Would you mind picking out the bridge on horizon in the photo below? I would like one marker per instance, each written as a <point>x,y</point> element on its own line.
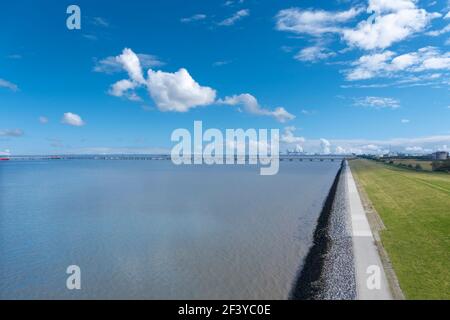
<point>282,157</point>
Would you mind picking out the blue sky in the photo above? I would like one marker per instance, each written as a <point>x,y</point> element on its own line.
<point>333,76</point>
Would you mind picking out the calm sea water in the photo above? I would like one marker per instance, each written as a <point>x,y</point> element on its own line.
<point>149,229</point>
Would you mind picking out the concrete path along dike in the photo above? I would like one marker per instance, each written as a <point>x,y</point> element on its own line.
<point>371,281</point>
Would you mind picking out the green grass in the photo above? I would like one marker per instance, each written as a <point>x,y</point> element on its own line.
<point>415,208</point>
<point>426,165</point>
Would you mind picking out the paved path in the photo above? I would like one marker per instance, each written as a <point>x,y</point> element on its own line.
<point>371,282</point>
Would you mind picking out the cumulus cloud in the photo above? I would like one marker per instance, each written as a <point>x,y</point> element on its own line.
<point>391,21</point>
<point>251,105</point>
<point>178,91</point>
<point>368,66</point>
<point>299,148</point>
<point>11,133</point>
<point>195,17</point>
<point>325,146</point>
<point>289,137</point>
<point>235,17</point>
<point>314,54</point>
<point>124,88</point>
<point>131,63</point>
<point>72,119</point>
<point>112,64</point>
<point>388,64</point>
<point>377,102</point>
<point>313,22</point>
<point>8,85</point>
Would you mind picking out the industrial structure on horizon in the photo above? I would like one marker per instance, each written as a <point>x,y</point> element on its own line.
<point>439,155</point>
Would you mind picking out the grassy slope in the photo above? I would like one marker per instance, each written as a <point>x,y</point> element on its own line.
<point>415,208</point>
<point>426,165</point>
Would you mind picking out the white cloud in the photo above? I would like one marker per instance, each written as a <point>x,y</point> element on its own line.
<point>325,146</point>
<point>230,3</point>
<point>131,63</point>
<point>368,146</point>
<point>177,91</point>
<point>123,88</point>
<point>350,148</point>
<point>235,17</point>
<point>8,85</point>
<point>404,121</point>
<point>369,66</point>
<point>340,150</point>
<point>308,112</point>
<point>72,119</point>
<point>99,21</point>
<point>359,146</point>
<point>387,64</point>
<point>111,64</point>
<point>414,149</point>
<point>313,22</point>
<point>43,119</point>
<point>392,21</point>
<point>289,137</point>
<point>314,54</point>
<point>195,17</point>
<point>90,37</point>
<point>377,102</point>
<point>11,133</point>
<point>252,106</point>
<point>382,6</point>
<point>436,33</point>
<point>299,148</point>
